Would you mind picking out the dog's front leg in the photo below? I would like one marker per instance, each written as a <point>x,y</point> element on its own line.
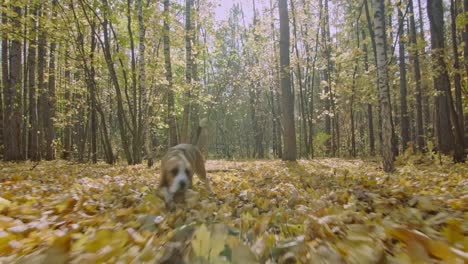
<point>208,186</point>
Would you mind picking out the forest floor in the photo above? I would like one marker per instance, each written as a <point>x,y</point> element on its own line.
<point>320,211</point>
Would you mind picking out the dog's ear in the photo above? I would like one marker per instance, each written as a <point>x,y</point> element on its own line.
<point>163,182</point>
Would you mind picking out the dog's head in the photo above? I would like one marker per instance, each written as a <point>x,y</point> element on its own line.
<point>177,174</point>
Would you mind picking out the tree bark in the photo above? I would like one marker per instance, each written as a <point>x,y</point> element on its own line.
<point>67,133</point>
<point>287,99</point>
<point>5,76</point>
<point>49,107</point>
<point>370,116</point>
<point>143,104</point>
<point>384,100</point>
<point>136,96</point>
<point>446,117</point>
<point>33,147</point>
<point>173,139</point>
<point>277,81</point>
<point>404,117</point>
<point>121,116</point>
<point>184,135</point>
<point>420,138</point>
<point>300,82</point>
<point>456,69</point>
<point>92,95</point>
<point>12,99</point>
<point>326,75</point>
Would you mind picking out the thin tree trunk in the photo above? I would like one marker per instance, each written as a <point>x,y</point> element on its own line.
<point>184,137</point>
<point>287,99</point>
<point>326,76</point>
<point>136,131</point>
<point>24,86</point>
<point>173,140</point>
<point>300,82</point>
<point>370,116</point>
<point>92,93</point>
<point>384,100</point>
<point>277,118</point>
<point>49,111</point>
<point>426,90</point>
<point>42,85</point>
<point>404,117</point>
<point>67,133</point>
<point>121,116</point>
<point>374,50</point>
<point>143,104</point>
<point>417,75</point>
<point>33,149</point>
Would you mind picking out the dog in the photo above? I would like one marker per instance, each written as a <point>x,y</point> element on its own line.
<point>178,166</point>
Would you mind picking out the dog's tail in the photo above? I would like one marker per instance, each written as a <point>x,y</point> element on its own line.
<point>201,138</point>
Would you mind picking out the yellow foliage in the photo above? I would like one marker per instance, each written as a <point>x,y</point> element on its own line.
<point>320,211</point>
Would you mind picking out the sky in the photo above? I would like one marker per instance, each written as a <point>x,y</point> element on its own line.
<point>223,7</point>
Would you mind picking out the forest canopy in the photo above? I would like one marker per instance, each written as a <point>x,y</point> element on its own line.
<point>93,80</point>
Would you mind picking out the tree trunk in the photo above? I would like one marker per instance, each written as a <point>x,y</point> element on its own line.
<point>287,99</point>
<point>456,67</point>
<point>143,104</point>
<point>277,78</point>
<point>184,135</point>
<point>426,96</point>
<point>300,82</point>
<point>67,133</point>
<point>33,149</point>
<point>49,107</point>
<point>326,75</point>
<point>465,41</point>
<point>134,105</point>
<point>446,116</point>
<point>384,100</point>
<point>92,95</point>
<point>12,99</point>
<point>168,67</point>
<point>417,76</point>
<point>24,86</point>
<point>404,117</point>
<point>41,84</point>
<point>5,76</point>
<point>370,116</point>
<point>121,116</point>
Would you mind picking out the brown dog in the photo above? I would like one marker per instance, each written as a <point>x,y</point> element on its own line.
<point>177,169</point>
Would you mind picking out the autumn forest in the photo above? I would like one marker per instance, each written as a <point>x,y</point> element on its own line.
<point>333,131</point>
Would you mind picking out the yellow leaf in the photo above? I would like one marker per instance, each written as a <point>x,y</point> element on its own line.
<point>417,241</point>
<point>58,252</point>
<point>102,238</point>
<point>201,241</point>
<point>5,239</point>
<point>453,232</point>
<point>242,254</point>
<point>4,203</point>
<point>66,206</point>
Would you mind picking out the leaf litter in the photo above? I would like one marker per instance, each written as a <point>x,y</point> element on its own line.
<point>320,211</point>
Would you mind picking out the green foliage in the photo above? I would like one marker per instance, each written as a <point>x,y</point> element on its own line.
<point>320,140</point>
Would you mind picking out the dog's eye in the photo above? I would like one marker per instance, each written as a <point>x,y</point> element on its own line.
<point>174,171</point>
<point>187,171</point>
